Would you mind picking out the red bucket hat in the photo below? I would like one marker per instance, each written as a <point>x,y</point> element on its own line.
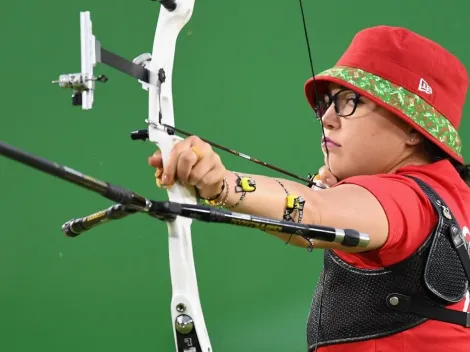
<point>407,74</point>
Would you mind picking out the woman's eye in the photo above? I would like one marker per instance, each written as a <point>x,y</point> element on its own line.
<point>354,100</point>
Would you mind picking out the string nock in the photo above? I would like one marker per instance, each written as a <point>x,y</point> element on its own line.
<point>311,179</point>
<point>315,181</point>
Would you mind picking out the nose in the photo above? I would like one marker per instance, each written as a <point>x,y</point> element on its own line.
<point>330,119</point>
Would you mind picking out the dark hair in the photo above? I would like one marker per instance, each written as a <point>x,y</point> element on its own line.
<point>434,153</point>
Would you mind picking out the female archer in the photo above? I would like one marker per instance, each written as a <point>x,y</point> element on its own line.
<point>390,111</point>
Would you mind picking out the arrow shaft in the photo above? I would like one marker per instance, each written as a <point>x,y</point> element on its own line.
<point>170,210</point>
<point>245,156</point>
<point>107,190</point>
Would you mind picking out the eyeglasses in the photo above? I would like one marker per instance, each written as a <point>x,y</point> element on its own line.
<point>345,102</point>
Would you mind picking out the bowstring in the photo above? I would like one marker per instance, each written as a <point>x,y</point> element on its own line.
<point>318,114</point>
<point>316,97</point>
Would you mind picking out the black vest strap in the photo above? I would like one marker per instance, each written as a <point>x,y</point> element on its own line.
<point>407,304</point>
<point>419,307</point>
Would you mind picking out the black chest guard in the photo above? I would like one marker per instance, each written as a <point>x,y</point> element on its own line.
<point>352,304</point>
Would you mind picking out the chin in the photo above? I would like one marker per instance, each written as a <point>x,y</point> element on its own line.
<point>341,170</point>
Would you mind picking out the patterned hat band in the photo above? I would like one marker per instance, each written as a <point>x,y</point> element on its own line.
<point>400,101</point>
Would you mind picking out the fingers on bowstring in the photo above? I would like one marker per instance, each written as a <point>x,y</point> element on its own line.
<point>327,177</point>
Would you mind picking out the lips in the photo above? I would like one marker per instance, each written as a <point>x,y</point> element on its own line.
<point>329,142</point>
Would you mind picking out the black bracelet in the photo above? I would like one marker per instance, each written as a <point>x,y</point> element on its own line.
<point>218,195</point>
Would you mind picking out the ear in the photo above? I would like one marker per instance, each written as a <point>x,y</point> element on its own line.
<point>413,138</point>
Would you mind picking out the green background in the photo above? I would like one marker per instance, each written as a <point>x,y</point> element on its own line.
<point>239,72</point>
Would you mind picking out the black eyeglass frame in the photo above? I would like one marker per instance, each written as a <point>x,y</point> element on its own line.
<point>333,100</point>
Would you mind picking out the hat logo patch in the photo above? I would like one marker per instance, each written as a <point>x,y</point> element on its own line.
<point>424,87</point>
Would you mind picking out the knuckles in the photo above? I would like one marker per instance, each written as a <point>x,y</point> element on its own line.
<point>183,162</point>
<point>188,156</point>
<point>194,140</point>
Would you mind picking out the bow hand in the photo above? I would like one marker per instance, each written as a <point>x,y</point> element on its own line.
<point>191,162</point>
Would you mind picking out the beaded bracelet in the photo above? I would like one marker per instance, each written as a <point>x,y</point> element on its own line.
<point>212,201</point>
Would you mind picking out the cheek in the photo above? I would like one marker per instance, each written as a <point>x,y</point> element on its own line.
<point>365,151</point>
<point>375,148</point>
<point>370,136</point>
<point>361,139</point>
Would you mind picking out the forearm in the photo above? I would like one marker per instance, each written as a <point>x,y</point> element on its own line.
<point>268,200</point>
<point>345,206</point>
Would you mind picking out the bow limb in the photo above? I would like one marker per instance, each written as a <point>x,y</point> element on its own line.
<point>186,313</point>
